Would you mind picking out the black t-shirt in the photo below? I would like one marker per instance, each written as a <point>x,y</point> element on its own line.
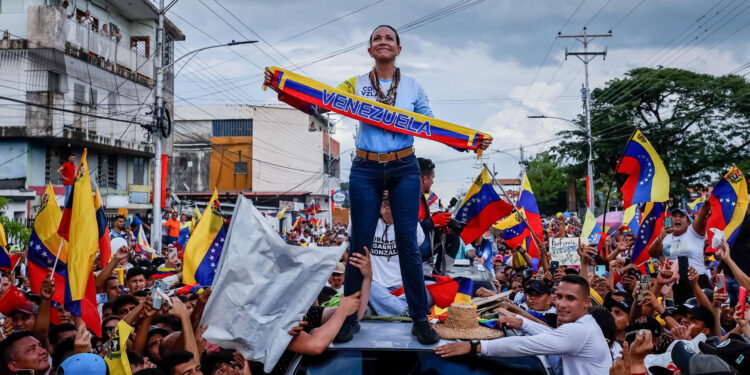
<point>314,319</point>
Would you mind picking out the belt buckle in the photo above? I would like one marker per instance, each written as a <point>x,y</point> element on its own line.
<point>382,154</point>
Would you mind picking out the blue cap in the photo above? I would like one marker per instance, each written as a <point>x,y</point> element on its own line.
<point>84,364</point>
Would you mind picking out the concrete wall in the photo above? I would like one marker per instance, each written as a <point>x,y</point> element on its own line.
<point>14,159</point>
<point>189,166</point>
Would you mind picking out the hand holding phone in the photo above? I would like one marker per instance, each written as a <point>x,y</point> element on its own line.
<point>742,300</point>
<point>600,271</point>
<point>553,267</point>
<point>644,285</point>
<point>721,284</point>
<point>683,264</point>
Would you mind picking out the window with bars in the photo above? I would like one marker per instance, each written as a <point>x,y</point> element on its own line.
<point>232,128</point>
<point>139,170</point>
<point>53,159</point>
<point>107,171</point>
<point>79,93</point>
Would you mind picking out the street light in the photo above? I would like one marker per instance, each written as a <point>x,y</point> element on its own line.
<point>590,166</point>
<point>159,116</point>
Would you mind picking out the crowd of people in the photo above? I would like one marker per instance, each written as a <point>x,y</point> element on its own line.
<point>683,310</point>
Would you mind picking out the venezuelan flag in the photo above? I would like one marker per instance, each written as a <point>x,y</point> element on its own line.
<point>648,180</point>
<point>481,208</point>
<point>79,227</point>
<point>650,227</point>
<point>696,204</point>
<point>187,231</point>
<point>163,272</point>
<point>86,307</point>
<point>190,289</point>
<point>204,247</point>
<point>432,202</point>
<point>141,243</point>
<point>729,203</point>
<point>313,209</point>
<point>43,246</point>
<point>450,290</point>
<point>648,267</point>
<point>105,249</point>
<point>631,218</point>
<point>514,229</point>
<point>591,228</point>
<point>527,201</point>
<point>6,263</point>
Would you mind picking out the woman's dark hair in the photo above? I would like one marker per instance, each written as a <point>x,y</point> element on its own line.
<point>606,322</point>
<point>398,40</point>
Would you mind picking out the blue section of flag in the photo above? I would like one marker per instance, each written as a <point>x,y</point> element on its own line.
<point>204,275</point>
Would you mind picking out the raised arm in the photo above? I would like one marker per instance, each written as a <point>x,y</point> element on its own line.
<point>699,224</point>
<point>317,341</point>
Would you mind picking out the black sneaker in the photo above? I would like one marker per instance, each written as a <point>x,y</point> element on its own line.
<point>347,330</point>
<point>424,333</point>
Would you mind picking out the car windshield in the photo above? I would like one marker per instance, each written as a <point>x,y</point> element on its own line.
<point>371,362</point>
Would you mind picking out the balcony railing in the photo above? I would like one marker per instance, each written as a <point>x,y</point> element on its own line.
<point>107,48</point>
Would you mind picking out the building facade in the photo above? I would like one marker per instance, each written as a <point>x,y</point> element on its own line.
<point>271,154</point>
<point>74,78</point>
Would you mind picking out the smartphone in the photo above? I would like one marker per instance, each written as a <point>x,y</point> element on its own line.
<point>601,271</point>
<point>668,222</point>
<point>645,283</point>
<point>156,296</point>
<point>630,337</point>
<point>742,300</point>
<point>668,302</point>
<point>682,262</point>
<point>101,298</point>
<point>553,267</point>
<point>594,239</point>
<point>721,284</point>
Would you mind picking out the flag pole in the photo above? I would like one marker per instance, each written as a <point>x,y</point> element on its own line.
<point>533,235</point>
<point>57,258</point>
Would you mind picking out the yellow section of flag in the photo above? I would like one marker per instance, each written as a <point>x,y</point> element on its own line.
<point>84,233</point>
<point>117,358</point>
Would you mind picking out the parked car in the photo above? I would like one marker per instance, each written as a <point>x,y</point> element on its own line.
<point>387,347</point>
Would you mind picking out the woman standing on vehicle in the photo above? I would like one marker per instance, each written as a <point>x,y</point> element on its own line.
<point>386,161</point>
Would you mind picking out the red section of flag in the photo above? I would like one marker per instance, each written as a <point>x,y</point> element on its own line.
<point>490,214</point>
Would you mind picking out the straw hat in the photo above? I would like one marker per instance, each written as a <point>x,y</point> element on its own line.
<point>461,323</point>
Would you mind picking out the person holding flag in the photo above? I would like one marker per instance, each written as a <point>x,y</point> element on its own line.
<point>386,161</point>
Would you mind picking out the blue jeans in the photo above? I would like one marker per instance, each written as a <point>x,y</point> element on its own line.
<point>401,178</point>
<point>68,189</point>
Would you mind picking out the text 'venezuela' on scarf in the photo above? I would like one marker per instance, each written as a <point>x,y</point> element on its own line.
<point>371,112</point>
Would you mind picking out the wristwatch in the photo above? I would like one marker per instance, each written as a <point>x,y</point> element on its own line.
<point>474,344</point>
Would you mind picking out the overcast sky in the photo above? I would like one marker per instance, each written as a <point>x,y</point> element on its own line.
<point>486,66</point>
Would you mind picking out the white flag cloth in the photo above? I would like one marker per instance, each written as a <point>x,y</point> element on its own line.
<point>263,287</point>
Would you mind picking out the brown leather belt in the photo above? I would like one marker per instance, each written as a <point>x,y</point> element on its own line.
<point>385,156</point>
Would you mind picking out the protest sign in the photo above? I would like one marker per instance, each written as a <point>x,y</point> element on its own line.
<point>565,251</point>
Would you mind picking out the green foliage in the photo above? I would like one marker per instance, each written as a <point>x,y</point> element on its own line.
<point>549,181</point>
<point>698,123</point>
<point>15,233</point>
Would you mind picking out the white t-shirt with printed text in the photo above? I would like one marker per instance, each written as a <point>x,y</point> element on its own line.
<point>386,269</point>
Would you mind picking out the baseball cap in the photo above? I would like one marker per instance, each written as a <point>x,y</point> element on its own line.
<point>536,287</point>
<point>610,302</point>
<point>83,364</point>
<point>734,351</point>
<point>678,210</point>
<point>27,308</point>
<point>340,268</point>
<point>691,363</point>
<point>703,314</point>
<point>645,322</point>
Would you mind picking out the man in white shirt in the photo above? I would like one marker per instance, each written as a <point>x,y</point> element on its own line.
<point>578,340</point>
<point>684,239</point>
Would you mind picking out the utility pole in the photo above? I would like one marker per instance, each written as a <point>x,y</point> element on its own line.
<point>585,58</point>
<point>520,150</point>
<point>158,116</point>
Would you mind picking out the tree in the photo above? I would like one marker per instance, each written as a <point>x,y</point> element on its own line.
<point>15,232</point>
<point>549,181</point>
<point>698,123</point>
